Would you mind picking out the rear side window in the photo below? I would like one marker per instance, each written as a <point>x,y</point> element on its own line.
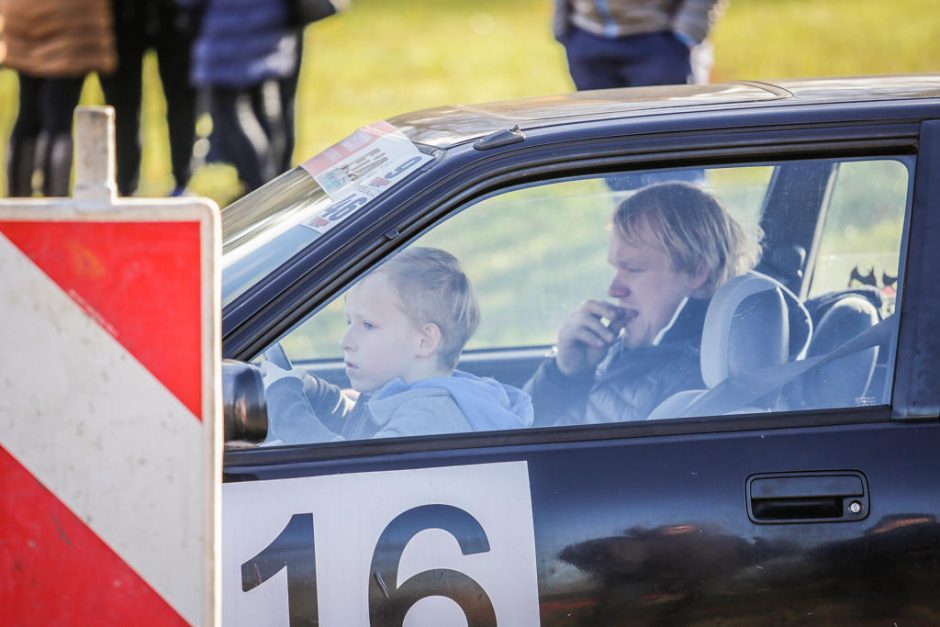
<point>617,298</point>
<point>862,229</point>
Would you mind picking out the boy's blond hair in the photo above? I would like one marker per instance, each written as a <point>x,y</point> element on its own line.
<point>694,230</point>
<point>432,287</point>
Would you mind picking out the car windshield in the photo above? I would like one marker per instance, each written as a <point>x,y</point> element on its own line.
<point>266,228</point>
<point>261,231</point>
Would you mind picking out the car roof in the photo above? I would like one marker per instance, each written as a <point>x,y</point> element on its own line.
<point>443,127</point>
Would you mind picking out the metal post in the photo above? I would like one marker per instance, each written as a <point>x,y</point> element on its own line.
<point>94,154</point>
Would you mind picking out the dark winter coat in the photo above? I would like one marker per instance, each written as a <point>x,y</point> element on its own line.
<point>242,43</point>
<point>629,383</point>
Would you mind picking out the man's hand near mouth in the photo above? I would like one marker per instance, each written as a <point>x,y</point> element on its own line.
<point>588,332</point>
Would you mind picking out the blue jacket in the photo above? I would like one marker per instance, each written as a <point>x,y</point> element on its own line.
<point>629,383</point>
<point>486,403</point>
<point>242,43</point>
<point>312,410</point>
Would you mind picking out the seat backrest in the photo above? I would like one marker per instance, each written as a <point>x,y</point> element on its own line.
<point>843,382</point>
<point>752,322</point>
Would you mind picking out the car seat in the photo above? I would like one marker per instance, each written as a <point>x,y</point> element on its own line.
<point>752,322</point>
<point>842,382</point>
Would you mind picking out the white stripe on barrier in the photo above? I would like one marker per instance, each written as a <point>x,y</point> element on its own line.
<point>57,361</point>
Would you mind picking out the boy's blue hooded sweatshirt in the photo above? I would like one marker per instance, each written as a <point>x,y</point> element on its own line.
<point>486,403</point>
<point>316,411</point>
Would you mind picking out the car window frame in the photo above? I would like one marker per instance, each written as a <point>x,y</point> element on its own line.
<point>485,182</point>
<point>916,395</point>
<point>787,174</point>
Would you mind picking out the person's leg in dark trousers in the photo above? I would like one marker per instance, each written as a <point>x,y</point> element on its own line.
<point>122,90</point>
<point>173,43</point>
<point>57,100</point>
<point>269,111</point>
<point>273,104</point>
<point>638,60</point>
<point>592,61</point>
<point>21,153</point>
<point>241,139</point>
<point>288,91</point>
<point>656,59</point>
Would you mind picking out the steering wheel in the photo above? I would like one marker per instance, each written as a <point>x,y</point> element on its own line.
<point>293,429</point>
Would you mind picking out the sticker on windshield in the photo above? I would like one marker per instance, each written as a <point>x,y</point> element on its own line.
<point>367,163</point>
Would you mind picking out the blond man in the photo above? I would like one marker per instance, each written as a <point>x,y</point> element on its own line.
<point>671,246</point>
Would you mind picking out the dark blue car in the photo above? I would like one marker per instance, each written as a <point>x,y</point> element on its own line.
<point>788,476</point>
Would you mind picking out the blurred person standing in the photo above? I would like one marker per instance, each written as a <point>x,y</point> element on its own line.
<point>631,43</point>
<point>52,45</point>
<point>168,29</point>
<point>243,50</point>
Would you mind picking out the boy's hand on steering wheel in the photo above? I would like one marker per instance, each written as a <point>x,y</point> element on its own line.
<point>271,372</point>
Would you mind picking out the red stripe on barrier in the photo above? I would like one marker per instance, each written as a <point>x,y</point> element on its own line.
<point>139,280</point>
<point>56,571</point>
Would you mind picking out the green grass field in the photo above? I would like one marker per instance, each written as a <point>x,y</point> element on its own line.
<point>385,57</point>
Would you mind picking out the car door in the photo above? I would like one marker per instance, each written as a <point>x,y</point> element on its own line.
<point>791,506</point>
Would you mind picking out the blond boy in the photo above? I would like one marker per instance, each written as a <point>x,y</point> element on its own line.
<point>408,322</point>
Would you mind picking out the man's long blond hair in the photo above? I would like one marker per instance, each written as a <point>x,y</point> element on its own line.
<point>693,229</point>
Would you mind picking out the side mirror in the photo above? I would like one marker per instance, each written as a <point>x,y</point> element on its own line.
<point>244,409</point>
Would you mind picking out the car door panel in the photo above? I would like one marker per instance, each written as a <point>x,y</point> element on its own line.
<point>674,543</point>
<point>656,530</point>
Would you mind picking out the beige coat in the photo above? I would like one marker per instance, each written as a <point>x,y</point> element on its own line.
<point>58,38</point>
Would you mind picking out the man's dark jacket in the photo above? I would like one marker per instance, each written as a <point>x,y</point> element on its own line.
<point>629,383</point>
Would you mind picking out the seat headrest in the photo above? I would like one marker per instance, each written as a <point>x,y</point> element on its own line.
<point>753,321</point>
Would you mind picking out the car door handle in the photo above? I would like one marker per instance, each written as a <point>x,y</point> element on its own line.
<point>839,496</point>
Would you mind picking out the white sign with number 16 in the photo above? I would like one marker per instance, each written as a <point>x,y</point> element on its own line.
<point>429,547</point>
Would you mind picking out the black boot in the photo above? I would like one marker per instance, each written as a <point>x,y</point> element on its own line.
<point>21,164</point>
<point>57,166</point>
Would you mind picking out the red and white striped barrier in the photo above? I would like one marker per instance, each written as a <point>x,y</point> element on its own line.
<point>110,451</point>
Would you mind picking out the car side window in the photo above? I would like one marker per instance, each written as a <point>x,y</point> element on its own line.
<point>616,298</point>
<point>535,252</point>
<point>862,230</point>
